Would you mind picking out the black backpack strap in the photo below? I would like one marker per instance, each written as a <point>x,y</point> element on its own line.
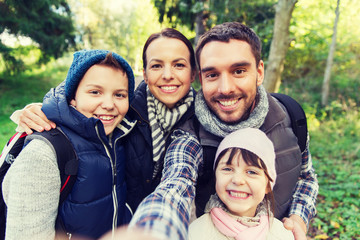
<point>68,166</point>
<point>66,159</point>
<point>297,116</point>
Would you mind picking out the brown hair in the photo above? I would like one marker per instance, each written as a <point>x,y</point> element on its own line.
<point>110,61</point>
<point>230,30</point>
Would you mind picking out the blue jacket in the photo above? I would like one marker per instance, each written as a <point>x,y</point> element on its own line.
<point>139,152</point>
<point>97,201</point>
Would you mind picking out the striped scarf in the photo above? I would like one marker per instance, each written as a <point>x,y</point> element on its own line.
<point>162,120</point>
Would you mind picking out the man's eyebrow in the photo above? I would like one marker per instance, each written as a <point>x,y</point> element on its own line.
<point>207,69</point>
<point>241,64</point>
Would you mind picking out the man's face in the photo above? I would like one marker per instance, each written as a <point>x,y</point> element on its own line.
<point>229,78</point>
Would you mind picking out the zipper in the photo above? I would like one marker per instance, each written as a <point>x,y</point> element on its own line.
<point>114,195</point>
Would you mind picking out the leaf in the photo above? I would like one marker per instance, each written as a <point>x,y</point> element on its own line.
<point>321,236</point>
<point>335,224</point>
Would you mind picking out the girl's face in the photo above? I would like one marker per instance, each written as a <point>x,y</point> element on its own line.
<point>103,94</point>
<point>240,187</point>
<point>168,72</point>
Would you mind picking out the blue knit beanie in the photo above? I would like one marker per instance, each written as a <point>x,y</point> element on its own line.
<point>85,59</point>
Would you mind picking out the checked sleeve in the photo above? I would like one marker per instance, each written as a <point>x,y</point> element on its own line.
<point>165,213</point>
<point>306,190</point>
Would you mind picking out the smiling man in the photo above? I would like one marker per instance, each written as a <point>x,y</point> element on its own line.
<point>231,97</point>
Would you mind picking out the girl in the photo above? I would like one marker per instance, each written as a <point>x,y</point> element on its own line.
<point>242,206</point>
<point>89,108</point>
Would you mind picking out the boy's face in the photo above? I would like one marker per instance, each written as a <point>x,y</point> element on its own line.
<point>240,187</point>
<point>103,94</point>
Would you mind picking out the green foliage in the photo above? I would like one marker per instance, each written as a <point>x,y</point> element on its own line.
<point>335,150</point>
<point>311,37</point>
<point>24,88</point>
<point>257,14</point>
<point>117,25</point>
<point>47,22</point>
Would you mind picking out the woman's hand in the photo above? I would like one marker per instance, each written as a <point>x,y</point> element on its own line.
<point>33,118</point>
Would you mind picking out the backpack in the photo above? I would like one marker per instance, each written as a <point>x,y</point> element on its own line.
<point>297,116</point>
<point>66,159</point>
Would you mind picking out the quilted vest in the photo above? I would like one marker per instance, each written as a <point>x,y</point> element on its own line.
<point>97,200</point>
<point>277,127</point>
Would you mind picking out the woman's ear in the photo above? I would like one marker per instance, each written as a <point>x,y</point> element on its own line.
<point>145,77</point>
<point>193,75</point>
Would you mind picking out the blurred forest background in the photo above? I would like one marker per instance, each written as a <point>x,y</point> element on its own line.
<point>315,54</point>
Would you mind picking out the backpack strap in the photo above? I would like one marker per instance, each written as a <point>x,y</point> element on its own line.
<point>66,159</point>
<point>297,116</point>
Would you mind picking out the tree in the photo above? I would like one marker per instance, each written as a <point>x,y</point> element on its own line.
<point>121,26</point>
<point>47,22</point>
<point>329,62</point>
<point>279,44</point>
<point>204,14</point>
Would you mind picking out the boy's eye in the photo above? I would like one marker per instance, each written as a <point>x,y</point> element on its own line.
<point>120,95</point>
<point>95,92</point>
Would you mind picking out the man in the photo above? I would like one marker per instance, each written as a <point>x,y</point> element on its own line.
<point>231,97</point>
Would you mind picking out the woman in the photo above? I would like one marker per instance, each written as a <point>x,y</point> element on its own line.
<point>162,101</point>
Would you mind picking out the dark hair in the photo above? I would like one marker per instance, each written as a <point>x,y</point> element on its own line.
<point>250,159</point>
<point>170,33</point>
<point>110,61</point>
<point>230,30</point>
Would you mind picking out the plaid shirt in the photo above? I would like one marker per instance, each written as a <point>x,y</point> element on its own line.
<point>166,212</point>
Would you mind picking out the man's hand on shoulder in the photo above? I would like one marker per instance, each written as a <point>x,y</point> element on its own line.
<point>295,224</point>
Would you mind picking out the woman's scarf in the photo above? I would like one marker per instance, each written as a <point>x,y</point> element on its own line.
<point>214,125</point>
<point>162,120</point>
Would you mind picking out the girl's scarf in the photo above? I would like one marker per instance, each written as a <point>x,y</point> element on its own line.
<point>162,120</point>
<point>240,230</point>
<point>214,125</point>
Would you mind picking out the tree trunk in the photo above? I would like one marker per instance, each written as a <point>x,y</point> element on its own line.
<point>329,62</point>
<point>279,44</point>
<point>199,26</point>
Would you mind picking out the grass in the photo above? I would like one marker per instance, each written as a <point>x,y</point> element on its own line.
<point>27,87</point>
<point>335,147</point>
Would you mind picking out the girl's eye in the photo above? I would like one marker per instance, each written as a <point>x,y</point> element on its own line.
<point>226,169</point>
<point>252,172</point>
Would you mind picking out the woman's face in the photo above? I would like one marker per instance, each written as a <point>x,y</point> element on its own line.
<point>168,71</point>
